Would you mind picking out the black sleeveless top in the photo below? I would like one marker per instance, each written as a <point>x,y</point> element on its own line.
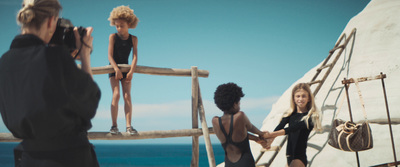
<point>246,160</point>
<point>122,48</point>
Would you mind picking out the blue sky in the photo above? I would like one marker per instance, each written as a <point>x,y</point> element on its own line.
<point>262,45</point>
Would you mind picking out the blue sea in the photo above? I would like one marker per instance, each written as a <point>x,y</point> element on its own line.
<point>135,155</point>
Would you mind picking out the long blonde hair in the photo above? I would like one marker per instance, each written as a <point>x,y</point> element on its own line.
<point>313,111</point>
<point>34,12</point>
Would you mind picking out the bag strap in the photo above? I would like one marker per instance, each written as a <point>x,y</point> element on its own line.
<point>359,95</point>
<point>361,98</point>
<point>340,106</point>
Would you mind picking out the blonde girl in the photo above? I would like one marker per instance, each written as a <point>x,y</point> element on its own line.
<point>302,117</point>
<point>119,48</point>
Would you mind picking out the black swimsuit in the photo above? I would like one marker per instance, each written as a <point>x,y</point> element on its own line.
<point>246,160</point>
<point>122,48</point>
<point>297,136</point>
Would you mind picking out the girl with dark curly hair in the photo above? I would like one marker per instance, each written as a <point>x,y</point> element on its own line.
<point>235,122</point>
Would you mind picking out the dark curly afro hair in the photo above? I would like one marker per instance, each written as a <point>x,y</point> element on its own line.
<point>226,95</point>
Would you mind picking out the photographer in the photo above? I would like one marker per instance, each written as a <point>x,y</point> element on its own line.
<point>45,100</point>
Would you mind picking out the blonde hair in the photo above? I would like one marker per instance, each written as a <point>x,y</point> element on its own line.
<point>34,12</point>
<point>123,13</point>
<point>313,112</point>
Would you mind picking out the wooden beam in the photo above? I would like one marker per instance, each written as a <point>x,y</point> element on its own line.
<point>394,121</point>
<point>206,133</point>
<point>273,148</point>
<point>195,117</point>
<point>363,79</point>
<point>149,70</point>
<point>8,137</point>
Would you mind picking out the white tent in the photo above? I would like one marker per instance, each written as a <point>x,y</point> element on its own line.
<point>375,49</point>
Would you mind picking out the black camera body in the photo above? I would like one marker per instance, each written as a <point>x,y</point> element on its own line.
<point>64,34</point>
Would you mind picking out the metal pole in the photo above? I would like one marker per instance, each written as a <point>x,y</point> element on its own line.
<point>389,121</point>
<point>351,116</point>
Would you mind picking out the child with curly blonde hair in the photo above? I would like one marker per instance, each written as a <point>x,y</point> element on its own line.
<point>119,48</point>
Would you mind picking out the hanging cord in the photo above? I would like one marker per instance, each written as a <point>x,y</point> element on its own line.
<point>340,106</point>
<point>361,98</point>
<point>79,51</point>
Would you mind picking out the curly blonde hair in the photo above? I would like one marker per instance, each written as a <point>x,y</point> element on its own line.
<point>123,13</point>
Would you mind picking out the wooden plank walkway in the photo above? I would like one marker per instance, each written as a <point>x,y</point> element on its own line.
<point>8,137</point>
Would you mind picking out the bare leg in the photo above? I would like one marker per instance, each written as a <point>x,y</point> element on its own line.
<point>297,163</point>
<point>115,100</point>
<point>126,90</point>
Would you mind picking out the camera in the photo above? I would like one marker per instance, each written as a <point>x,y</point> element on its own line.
<point>64,34</point>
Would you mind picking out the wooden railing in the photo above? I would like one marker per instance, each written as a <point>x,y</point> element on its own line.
<point>8,137</point>
<point>197,110</point>
<point>150,70</point>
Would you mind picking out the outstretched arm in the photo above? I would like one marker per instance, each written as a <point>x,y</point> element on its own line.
<point>253,137</point>
<point>253,129</point>
<point>263,142</point>
<point>274,134</point>
<point>280,132</point>
<point>250,127</point>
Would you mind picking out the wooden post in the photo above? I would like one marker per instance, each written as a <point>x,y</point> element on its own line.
<point>195,118</point>
<point>206,134</point>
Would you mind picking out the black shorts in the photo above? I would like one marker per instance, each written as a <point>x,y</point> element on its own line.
<point>301,158</point>
<point>113,75</point>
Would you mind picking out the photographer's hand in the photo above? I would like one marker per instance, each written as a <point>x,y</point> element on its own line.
<point>85,49</point>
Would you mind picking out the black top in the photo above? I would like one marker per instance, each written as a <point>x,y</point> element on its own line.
<point>298,133</point>
<point>45,99</point>
<point>122,48</point>
<point>247,158</point>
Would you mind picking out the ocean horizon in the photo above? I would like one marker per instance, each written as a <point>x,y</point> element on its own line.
<point>135,155</point>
